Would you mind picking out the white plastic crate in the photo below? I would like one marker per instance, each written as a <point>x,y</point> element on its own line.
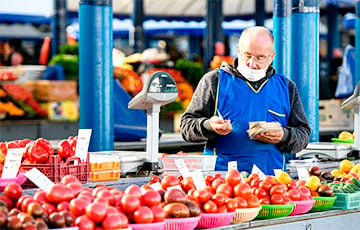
<point>193,162</point>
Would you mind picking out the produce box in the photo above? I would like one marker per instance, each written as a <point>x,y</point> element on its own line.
<point>62,110</point>
<point>103,163</point>
<point>56,169</point>
<point>347,200</point>
<point>47,90</point>
<point>330,113</point>
<point>105,175</point>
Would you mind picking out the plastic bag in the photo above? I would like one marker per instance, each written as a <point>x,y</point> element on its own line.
<point>345,85</point>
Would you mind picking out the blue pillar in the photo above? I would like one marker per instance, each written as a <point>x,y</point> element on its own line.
<point>305,59</point>
<point>194,46</point>
<point>96,73</point>
<point>357,43</point>
<point>213,32</point>
<point>282,35</point>
<point>138,19</point>
<point>260,14</point>
<point>333,36</point>
<point>59,26</point>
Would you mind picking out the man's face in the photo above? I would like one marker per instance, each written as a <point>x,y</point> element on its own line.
<point>256,53</point>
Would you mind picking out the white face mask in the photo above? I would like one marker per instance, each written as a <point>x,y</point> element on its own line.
<point>251,74</point>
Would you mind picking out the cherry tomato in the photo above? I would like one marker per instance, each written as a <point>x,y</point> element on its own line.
<point>294,194</point>
<point>277,199</point>
<point>201,195</point>
<point>13,191</point>
<point>225,189</point>
<point>209,207</point>
<point>241,202</point>
<point>243,190</point>
<point>252,201</point>
<point>266,185</point>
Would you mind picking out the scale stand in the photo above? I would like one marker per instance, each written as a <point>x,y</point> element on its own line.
<point>354,102</point>
<point>159,89</point>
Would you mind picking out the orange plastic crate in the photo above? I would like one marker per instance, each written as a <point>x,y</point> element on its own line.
<point>102,166</point>
<point>105,175</point>
<point>56,169</point>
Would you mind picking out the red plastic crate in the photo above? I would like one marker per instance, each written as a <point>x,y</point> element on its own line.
<point>55,170</point>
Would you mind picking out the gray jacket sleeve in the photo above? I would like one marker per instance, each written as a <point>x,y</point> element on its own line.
<point>195,121</point>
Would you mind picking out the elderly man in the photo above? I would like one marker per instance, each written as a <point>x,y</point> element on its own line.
<point>249,90</point>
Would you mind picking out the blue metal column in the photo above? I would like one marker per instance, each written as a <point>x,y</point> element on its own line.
<point>194,47</point>
<point>96,73</point>
<point>333,36</point>
<point>305,59</point>
<point>282,35</point>
<point>357,43</point>
<point>260,14</point>
<point>138,19</point>
<point>59,26</point>
<point>213,32</point>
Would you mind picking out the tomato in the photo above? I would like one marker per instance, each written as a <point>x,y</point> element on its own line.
<point>187,183</point>
<point>115,221</point>
<point>78,206</point>
<point>75,187</point>
<point>225,189</point>
<point>84,222</point>
<point>129,203</point>
<point>20,200</point>
<point>252,201</point>
<point>292,184</point>
<point>277,199</point>
<point>314,193</point>
<point>209,179</point>
<point>86,194</point>
<point>201,195</point>
<point>169,181</point>
<point>106,194</point>
<point>48,208</point>
<point>98,189</point>
<point>158,212</point>
<point>271,179</point>
<point>26,203</point>
<point>233,177</point>
<point>254,183</point>
<point>231,204</point>
<point>300,182</point>
<point>260,193</point>
<point>143,215</point>
<point>266,185</point>
<point>216,182</point>
<point>222,209</point>
<point>277,189</point>
<point>242,189</point>
<point>63,206</point>
<point>96,211</point>
<point>70,179</point>
<point>9,203</point>
<point>134,190</point>
<point>219,199</point>
<point>304,190</point>
<point>294,194</point>
<point>253,176</point>
<point>155,179</point>
<point>40,196</point>
<point>151,198</point>
<point>265,200</point>
<point>13,191</point>
<point>209,207</point>
<point>59,192</point>
<point>241,202</point>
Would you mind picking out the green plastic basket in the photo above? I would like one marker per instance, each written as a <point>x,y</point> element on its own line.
<point>269,211</point>
<point>347,200</point>
<point>323,203</point>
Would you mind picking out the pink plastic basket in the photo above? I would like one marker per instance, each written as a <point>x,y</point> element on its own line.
<point>302,206</point>
<point>152,226</point>
<point>181,223</point>
<point>214,220</point>
<point>245,214</point>
<point>20,179</point>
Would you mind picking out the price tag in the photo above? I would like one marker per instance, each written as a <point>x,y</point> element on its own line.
<point>258,171</point>
<point>277,171</point>
<point>183,169</point>
<point>175,187</point>
<point>39,179</point>
<point>303,173</point>
<point>232,165</point>
<point>12,163</point>
<point>82,144</point>
<point>198,179</point>
<point>156,186</point>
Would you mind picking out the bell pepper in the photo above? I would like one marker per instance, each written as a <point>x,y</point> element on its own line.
<point>64,149</point>
<point>40,150</point>
<point>73,141</point>
<point>3,148</point>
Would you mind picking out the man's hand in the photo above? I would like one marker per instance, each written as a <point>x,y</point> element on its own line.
<point>272,137</point>
<point>220,126</point>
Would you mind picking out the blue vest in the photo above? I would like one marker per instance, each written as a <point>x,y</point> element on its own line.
<point>239,102</point>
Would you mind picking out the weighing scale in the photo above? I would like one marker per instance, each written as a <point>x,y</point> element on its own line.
<point>334,151</point>
<point>159,89</point>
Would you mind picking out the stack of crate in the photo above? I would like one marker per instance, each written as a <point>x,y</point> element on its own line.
<point>104,168</point>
